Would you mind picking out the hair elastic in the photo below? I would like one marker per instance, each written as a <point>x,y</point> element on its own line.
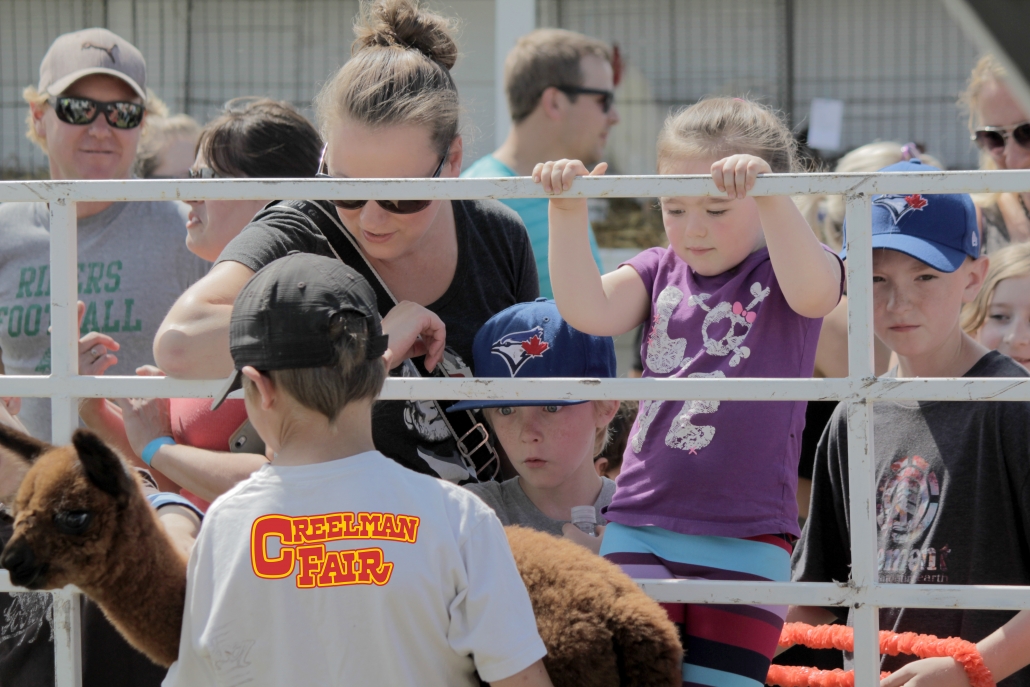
<point>909,151</point>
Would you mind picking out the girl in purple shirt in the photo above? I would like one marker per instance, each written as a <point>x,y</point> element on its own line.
<point>707,488</point>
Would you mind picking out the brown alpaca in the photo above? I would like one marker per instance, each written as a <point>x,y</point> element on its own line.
<point>80,518</point>
<point>599,627</point>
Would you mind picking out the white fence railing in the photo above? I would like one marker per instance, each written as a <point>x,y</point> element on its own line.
<point>863,592</point>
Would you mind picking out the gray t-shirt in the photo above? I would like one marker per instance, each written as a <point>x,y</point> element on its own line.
<point>133,264</point>
<point>952,503</point>
<point>513,507</point>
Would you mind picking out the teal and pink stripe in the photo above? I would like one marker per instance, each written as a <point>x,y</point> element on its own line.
<point>725,645</point>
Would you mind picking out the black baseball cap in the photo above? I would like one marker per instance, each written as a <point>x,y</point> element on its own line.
<point>281,318</point>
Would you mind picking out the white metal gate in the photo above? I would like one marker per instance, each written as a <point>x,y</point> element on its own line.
<point>861,388</point>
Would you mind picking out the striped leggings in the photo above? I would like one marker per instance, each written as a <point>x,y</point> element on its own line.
<point>724,645</point>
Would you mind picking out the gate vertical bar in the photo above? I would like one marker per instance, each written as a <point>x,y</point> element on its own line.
<point>64,281</point>
<point>64,363</point>
<point>67,639</point>
<point>861,459</point>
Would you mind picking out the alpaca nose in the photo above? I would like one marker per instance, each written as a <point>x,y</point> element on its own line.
<point>20,562</point>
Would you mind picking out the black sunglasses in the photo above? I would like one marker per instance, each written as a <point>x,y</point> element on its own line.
<point>992,138</point>
<point>607,97</point>
<point>396,207</point>
<point>81,111</point>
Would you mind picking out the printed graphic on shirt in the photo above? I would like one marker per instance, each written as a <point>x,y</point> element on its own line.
<point>302,540</point>
<point>648,411</point>
<point>908,497</point>
<point>518,348</point>
<point>666,354</point>
<point>683,433</point>
<point>728,338</point>
<point>24,619</point>
<point>230,657</point>
<point>99,286</point>
<point>424,417</point>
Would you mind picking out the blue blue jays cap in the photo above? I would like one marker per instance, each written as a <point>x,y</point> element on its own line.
<point>532,340</point>
<point>938,229</point>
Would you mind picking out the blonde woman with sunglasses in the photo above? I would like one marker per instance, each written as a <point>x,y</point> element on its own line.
<point>1000,128</point>
<point>391,111</point>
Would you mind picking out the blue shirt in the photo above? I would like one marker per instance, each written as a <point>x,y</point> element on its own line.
<point>533,212</point>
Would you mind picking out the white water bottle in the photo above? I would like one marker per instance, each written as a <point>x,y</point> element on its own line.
<point>585,518</point>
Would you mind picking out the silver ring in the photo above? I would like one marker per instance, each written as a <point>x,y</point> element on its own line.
<point>93,352</point>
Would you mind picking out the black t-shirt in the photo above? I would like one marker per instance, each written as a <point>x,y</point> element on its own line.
<point>952,503</point>
<point>817,416</point>
<point>495,270</point>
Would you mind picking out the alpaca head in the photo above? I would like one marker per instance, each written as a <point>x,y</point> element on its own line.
<point>66,510</point>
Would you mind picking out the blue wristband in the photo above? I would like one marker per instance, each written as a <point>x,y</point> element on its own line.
<point>151,448</point>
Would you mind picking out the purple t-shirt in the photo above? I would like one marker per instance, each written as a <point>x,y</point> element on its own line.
<point>722,468</point>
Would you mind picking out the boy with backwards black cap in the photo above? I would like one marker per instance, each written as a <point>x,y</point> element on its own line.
<point>333,564</point>
<point>953,479</point>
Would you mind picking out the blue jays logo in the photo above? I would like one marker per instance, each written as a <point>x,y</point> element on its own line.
<point>899,205</point>
<point>519,348</point>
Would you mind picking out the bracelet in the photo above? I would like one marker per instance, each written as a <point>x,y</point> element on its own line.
<point>151,448</point>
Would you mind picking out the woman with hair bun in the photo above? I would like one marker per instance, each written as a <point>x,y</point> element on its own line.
<point>438,266</point>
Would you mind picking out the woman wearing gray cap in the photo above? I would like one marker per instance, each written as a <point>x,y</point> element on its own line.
<point>391,111</point>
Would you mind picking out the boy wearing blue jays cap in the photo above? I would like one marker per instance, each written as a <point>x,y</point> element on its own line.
<point>551,444</point>
<point>953,479</point>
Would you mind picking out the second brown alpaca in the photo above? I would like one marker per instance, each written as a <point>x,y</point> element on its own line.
<point>81,519</point>
<point>599,627</point>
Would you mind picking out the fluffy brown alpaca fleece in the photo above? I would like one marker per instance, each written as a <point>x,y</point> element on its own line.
<point>80,518</point>
<point>599,627</point>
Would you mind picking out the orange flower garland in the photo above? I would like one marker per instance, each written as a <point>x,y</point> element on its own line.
<point>843,638</point>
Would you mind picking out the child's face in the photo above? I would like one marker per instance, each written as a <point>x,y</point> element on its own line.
<point>1007,327</point>
<point>711,234</point>
<point>547,444</point>
<point>915,307</point>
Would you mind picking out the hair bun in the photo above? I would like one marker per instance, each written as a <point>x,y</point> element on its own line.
<point>402,23</point>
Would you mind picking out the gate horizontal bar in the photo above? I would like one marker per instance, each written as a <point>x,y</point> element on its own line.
<point>878,389</point>
<point>649,186</point>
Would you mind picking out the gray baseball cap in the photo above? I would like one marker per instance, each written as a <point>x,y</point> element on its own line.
<point>92,51</point>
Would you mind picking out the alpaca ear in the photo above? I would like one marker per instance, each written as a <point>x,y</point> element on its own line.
<point>26,447</point>
<point>103,467</point>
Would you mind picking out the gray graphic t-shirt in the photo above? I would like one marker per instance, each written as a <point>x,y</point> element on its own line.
<point>952,506</point>
<point>513,507</point>
<point>133,264</point>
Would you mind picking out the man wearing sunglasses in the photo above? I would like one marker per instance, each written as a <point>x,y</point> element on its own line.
<point>561,91</point>
<point>86,115</point>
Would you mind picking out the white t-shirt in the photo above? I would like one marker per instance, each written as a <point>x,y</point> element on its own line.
<point>352,572</point>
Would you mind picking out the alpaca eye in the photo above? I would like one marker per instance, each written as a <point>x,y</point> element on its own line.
<point>73,521</point>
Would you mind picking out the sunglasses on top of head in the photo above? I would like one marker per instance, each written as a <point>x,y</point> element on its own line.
<point>607,97</point>
<point>81,111</point>
<point>992,138</point>
<point>396,207</point>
